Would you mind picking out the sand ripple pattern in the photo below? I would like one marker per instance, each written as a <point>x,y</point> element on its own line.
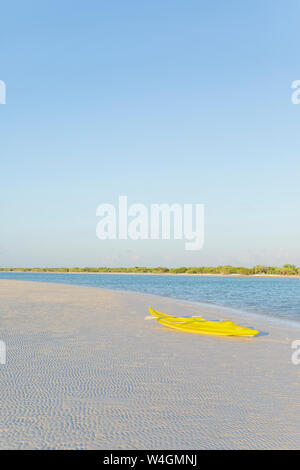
<point>85,371</point>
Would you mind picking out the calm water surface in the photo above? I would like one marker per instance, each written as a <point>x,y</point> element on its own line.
<point>279,297</point>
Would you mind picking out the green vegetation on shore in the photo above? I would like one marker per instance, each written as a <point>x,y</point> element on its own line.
<point>286,270</point>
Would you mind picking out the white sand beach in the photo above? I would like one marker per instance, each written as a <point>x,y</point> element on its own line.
<point>86,371</point>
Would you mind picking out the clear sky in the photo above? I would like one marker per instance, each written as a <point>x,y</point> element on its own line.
<point>185,101</point>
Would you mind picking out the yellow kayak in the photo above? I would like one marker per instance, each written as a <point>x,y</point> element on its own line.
<point>200,326</point>
<point>161,315</point>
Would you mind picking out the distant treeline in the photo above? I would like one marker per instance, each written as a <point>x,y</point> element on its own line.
<point>286,270</point>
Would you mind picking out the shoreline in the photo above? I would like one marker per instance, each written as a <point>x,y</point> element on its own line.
<point>96,375</point>
<point>230,309</point>
<point>162,274</point>
<point>239,313</point>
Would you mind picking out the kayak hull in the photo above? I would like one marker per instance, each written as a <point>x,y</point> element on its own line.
<point>198,325</point>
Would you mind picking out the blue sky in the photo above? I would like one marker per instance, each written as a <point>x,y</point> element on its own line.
<point>163,101</point>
